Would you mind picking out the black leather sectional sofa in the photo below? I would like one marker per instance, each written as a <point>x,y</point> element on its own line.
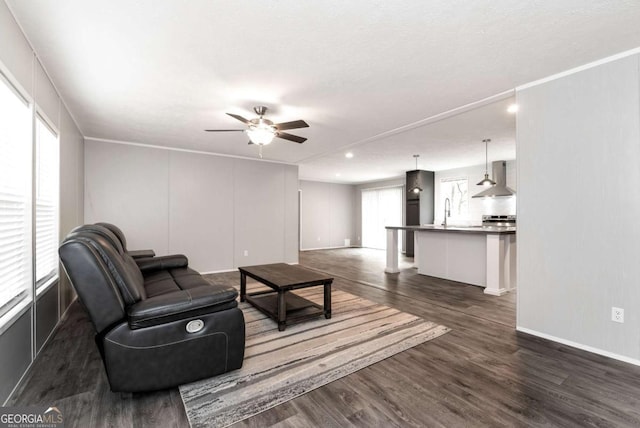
<point>158,322</point>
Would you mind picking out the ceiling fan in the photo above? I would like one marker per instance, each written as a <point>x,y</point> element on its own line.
<point>262,131</point>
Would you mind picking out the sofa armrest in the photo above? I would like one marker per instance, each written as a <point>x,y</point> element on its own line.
<point>181,304</point>
<point>149,264</point>
<point>139,254</point>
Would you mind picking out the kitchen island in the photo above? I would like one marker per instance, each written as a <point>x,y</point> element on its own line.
<point>483,256</point>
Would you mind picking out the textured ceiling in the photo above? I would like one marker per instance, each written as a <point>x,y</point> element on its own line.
<point>159,72</point>
<point>452,142</point>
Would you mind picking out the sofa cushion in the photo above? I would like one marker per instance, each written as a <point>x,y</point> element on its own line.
<point>116,231</point>
<point>165,281</point>
<point>96,229</point>
<point>124,271</point>
<point>187,278</point>
<point>159,282</point>
<point>92,280</point>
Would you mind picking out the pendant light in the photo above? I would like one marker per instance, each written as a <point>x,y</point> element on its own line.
<point>486,181</point>
<point>416,188</point>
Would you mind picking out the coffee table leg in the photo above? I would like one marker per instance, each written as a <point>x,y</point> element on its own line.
<point>243,286</point>
<point>282,310</point>
<point>327,300</point>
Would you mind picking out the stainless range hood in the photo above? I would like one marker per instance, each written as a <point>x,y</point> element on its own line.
<point>499,169</point>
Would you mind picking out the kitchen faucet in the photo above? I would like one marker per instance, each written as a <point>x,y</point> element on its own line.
<point>447,211</point>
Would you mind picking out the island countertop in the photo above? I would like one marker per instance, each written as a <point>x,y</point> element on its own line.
<point>499,230</point>
<point>477,255</point>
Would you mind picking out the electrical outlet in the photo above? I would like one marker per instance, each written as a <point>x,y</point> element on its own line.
<point>246,253</point>
<point>617,315</point>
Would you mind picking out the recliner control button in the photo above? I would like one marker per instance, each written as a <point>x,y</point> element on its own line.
<point>195,326</point>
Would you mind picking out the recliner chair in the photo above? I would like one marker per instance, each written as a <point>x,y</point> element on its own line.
<point>158,322</point>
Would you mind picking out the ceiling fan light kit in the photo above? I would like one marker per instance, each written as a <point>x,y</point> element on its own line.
<point>262,131</point>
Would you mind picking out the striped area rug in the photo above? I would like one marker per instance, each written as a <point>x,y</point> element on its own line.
<point>279,366</point>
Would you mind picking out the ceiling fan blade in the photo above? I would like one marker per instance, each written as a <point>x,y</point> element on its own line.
<point>290,137</point>
<point>291,125</point>
<point>224,130</point>
<point>240,118</point>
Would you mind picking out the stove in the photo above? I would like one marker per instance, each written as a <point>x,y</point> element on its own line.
<point>498,220</point>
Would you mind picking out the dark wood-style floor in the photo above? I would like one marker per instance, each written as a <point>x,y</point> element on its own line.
<point>482,373</point>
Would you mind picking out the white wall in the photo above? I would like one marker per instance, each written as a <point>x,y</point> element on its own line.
<point>578,208</point>
<point>211,208</point>
<point>193,228</point>
<point>15,52</point>
<point>477,206</point>
<point>129,186</point>
<point>71,189</point>
<point>326,214</point>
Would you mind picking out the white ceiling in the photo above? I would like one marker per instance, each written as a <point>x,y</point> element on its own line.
<point>159,72</point>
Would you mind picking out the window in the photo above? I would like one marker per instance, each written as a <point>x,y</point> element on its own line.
<point>47,178</point>
<point>15,192</point>
<point>380,208</point>
<point>457,190</point>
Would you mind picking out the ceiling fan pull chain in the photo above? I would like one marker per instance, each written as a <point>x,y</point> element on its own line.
<point>260,150</point>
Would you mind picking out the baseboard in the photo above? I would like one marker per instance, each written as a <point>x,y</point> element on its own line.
<point>230,270</point>
<point>580,346</point>
<point>327,248</point>
<point>219,271</point>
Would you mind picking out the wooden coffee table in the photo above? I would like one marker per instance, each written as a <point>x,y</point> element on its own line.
<point>284,307</point>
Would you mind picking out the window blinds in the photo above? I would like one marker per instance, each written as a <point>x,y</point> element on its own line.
<point>47,178</point>
<point>15,183</point>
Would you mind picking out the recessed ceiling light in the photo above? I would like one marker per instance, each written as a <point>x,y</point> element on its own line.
<point>348,155</point>
<point>513,108</point>
<point>337,174</point>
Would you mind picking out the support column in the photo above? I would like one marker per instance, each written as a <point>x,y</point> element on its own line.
<point>497,270</point>
<point>416,249</point>
<point>510,261</point>
<point>392,251</point>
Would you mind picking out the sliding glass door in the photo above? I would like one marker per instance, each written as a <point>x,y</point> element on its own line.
<point>380,208</point>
